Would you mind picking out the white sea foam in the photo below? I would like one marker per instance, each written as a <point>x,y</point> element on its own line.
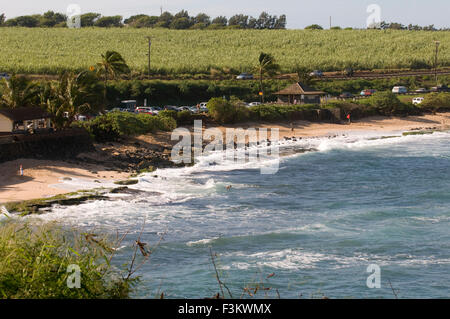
<point>294,259</point>
<point>205,241</point>
<point>179,185</point>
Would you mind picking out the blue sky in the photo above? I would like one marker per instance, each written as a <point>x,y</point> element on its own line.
<point>300,13</point>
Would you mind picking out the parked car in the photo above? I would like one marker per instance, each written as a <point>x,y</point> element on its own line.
<point>171,108</point>
<point>368,92</point>
<point>417,100</point>
<point>316,73</point>
<point>194,109</point>
<point>203,104</point>
<point>421,90</point>
<point>399,90</point>
<point>184,108</point>
<point>346,95</point>
<point>254,103</point>
<point>4,76</point>
<point>245,76</point>
<point>440,88</point>
<point>146,110</point>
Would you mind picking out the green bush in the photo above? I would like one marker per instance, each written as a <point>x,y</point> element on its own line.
<point>184,117</point>
<point>34,263</point>
<point>436,101</point>
<point>111,126</point>
<point>386,103</point>
<point>221,110</point>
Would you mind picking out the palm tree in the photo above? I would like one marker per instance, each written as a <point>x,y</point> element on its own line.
<point>112,65</point>
<point>303,75</point>
<point>267,66</point>
<point>18,92</point>
<point>71,95</point>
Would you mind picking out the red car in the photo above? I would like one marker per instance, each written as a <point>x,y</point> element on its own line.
<point>369,92</point>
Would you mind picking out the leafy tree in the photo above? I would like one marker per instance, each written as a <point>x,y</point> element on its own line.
<point>165,20</point>
<point>89,19</point>
<point>266,66</point>
<point>314,27</point>
<point>180,23</point>
<point>23,21</point>
<point>18,92</point>
<point>51,19</point>
<point>2,19</point>
<point>221,20</point>
<point>144,22</point>
<point>280,23</point>
<point>202,18</point>
<point>108,22</point>
<point>134,18</point>
<point>239,20</point>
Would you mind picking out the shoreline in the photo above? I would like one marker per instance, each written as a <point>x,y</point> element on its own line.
<point>45,178</point>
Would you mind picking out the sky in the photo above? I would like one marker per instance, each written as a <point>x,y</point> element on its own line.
<point>300,13</point>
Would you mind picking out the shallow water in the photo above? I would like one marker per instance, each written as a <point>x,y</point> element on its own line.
<point>317,224</point>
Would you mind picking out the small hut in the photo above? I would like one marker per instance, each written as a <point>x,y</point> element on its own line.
<point>23,119</point>
<point>299,93</point>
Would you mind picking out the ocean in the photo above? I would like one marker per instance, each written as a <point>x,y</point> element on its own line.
<point>311,230</point>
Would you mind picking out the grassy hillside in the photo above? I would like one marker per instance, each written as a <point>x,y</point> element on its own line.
<point>39,50</point>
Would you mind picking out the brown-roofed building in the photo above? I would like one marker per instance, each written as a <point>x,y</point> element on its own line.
<point>23,119</point>
<point>299,93</point>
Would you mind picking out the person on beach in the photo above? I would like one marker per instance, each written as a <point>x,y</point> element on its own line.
<point>21,170</point>
<point>349,118</point>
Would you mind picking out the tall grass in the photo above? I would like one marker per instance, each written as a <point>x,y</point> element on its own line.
<point>34,261</point>
<point>41,50</point>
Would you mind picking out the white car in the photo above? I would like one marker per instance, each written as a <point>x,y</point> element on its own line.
<point>245,76</point>
<point>417,100</point>
<point>254,104</point>
<point>399,90</point>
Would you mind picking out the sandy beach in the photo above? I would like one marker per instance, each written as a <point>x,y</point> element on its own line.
<point>42,176</point>
<point>370,124</point>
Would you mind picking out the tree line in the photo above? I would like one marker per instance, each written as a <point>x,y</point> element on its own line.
<point>72,94</point>
<point>181,20</point>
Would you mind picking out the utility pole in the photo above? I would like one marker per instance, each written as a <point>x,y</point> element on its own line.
<point>330,22</point>
<point>436,61</point>
<point>149,54</point>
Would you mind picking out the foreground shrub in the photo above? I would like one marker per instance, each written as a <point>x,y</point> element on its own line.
<point>113,125</point>
<point>436,101</point>
<point>221,110</point>
<point>386,103</point>
<point>34,263</point>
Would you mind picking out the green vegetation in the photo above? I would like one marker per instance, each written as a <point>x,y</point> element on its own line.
<point>266,66</point>
<point>49,51</point>
<point>417,133</point>
<point>436,101</point>
<point>181,20</point>
<point>224,111</point>
<point>127,182</point>
<point>35,259</point>
<point>113,125</point>
<point>35,205</point>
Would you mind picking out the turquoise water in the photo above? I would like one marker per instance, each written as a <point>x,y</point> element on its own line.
<point>317,224</point>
